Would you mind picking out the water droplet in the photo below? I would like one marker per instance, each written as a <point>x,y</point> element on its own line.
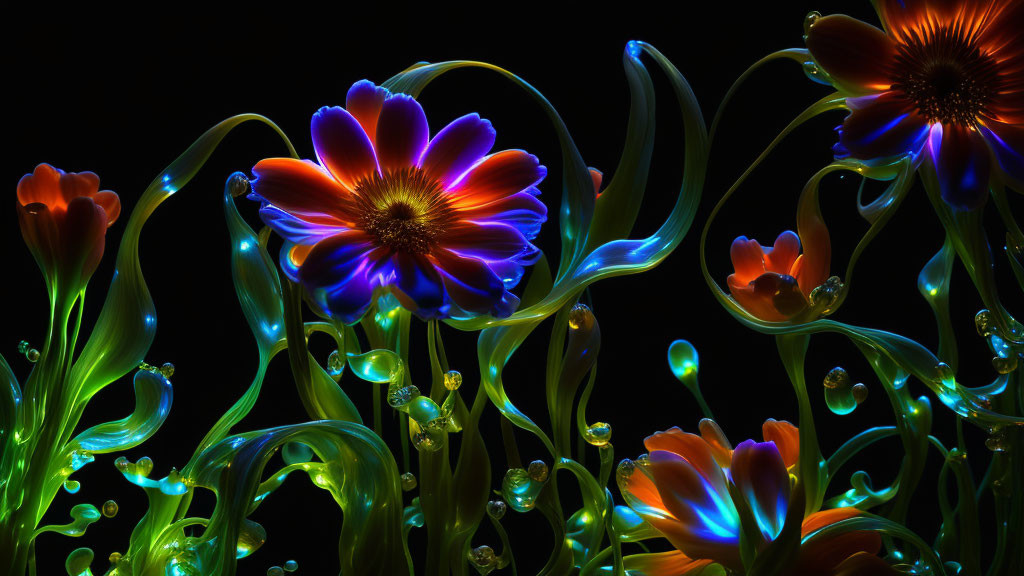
<point>399,397</point>
<point>538,471</point>
<point>598,434</point>
<point>122,464</point>
<point>275,571</point>
<point>239,185</point>
<point>810,20</point>
<point>109,509</point>
<point>251,535</point>
<point>643,460</point>
<point>483,559</point>
<point>625,469</point>
<point>519,490</point>
<point>984,323</point>
<point>425,442</point>
<point>23,347</point>
<point>860,392</point>
<point>408,481</point>
<point>72,486</point>
<point>167,370</point>
<point>580,316</point>
<point>945,375</point>
<point>77,563</point>
<point>1005,365</point>
<point>826,295</point>
<point>839,391</point>
<point>496,509</point>
<point>291,566</point>
<point>683,360</point>
<point>452,380</point>
<point>114,557</point>
<point>32,355</point>
<point>996,441</point>
<point>335,365</point>
<point>144,466</point>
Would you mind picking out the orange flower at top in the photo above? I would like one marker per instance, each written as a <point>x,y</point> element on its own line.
<point>683,491</point>
<point>64,219</point>
<point>774,283</point>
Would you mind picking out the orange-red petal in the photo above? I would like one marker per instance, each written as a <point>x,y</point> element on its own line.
<point>786,438</point>
<point>855,54</point>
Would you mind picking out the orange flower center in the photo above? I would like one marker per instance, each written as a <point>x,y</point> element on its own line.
<point>946,76</point>
<point>403,210</point>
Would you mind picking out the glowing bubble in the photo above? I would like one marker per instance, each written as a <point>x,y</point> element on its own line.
<point>519,490</point>
<point>72,486</point>
<point>291,566</point>
<point>239,185</point>
<point>32,355</point>
<point>335,365</point>
<point>810,20</point>
<point>380,366</point>
<point>683,359</point>
<point>144,466</point>
<point>400,397</point>
<point>839,392</point>
<point>109,509</point>
<point>422,409</point>
<point>945,375</point>
<point>984,323</point>
<point>997,440</point>
<point>408,481</point>
<point>598,434</point>
<point>1004,365</point>
<point>251,536</point>
<point>452,380</point>
<point>825,296</point>
<point>483,559</point>
<point>114,557</point>
<point>167,370</point>
<point>275,571</point>
<point>496,509</point>
<point>23,347</point>
<point>538,471</point>
<point>625,469</point>
<point>860,392</point>
<point>78,562</point>
<point>580,316</point>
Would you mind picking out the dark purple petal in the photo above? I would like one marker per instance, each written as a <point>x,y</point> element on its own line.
<point>961,162</point>
<point>334,273</point>
<point>294,228</point>
<point>457,147</point>
<point>1007,142</point>
<point>402,132</point>
<point>881,127</point>
<point>759,473</point>
<point>363,102</point>
<point>524,211</point>
<point>469,282</point>
<point>420,282</point>
<point>342,145</point>
<point>488,241</point>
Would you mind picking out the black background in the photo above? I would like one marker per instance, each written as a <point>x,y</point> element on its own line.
<point>123,98</point>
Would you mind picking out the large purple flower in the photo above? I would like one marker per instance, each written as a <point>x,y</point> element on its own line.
<point>442,224</point>
<point>943,82</point>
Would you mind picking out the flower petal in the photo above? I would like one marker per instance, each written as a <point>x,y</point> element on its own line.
<point>110,203</point>
<point>824,555</point>
<point>488,241</point>
<point>695,450</point>
<point>295,229</point>
<point>419,284</point>
<point>456,147</point>
<point>470,283</point>
<point>499,175</point>
<point>334,273</point>
<point>760,475</point>
<point>41,186</point>
<point>962,163</point>
<point>524,211</point>
<point>363,102</point>
<point>708,525</point>
<point>720,447</point>
<point>881,126</point>
<point>82,237</point>
<point>786,438</point>
<point>1007,142</point>
<point>671,563</point>
<point>855,54</point>
<point>402,132</point>
<point>342,145</point>
<point>74,185</point>
<point>508,271</point>
<point>747,259</point>
<point>781,256</point>
<point>303,189</point>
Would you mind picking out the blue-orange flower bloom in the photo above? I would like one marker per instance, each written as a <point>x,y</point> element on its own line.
<point>775,284</point>
<point>442,223</point>
<point>683,492</point>
<point>943,82</point>
<point>64,219</point>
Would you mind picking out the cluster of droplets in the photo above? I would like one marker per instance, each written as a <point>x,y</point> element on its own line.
<point>521,486</point>
<point>825,297</point>
<point>841,395</point>
<point>166,369</point>
<point>287,567</point>
<point>1006,348</point>
<point>483,559</point>
<point>31,354</point>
